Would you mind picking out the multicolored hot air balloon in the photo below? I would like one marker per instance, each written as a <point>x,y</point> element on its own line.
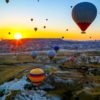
<point>51,54</point>
<point>56,48</point>
<point>84,14</point>
<point>34,54</point>
<point>36,76</point>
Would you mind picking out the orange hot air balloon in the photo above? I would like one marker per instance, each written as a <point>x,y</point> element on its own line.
<point>37,76</point>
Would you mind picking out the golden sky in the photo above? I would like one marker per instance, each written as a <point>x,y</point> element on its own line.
<point>15,18</point>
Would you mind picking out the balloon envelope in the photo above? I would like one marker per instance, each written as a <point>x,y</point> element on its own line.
<point>34,54</point>
<point>62,37</point>
<point>51,54</point>
<point>66,29</point>
<point>36,76</point>
<point>9,33</point>
<point>31,19</point>
<point>72,59</point>
<point>44,27</point>
<point>35,29</point>
<point>56,48</point>
<point>46,19</point>
<point>84,14</point>
<point>7,1</point>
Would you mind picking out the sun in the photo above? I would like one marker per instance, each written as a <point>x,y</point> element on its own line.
<point>17,36</point>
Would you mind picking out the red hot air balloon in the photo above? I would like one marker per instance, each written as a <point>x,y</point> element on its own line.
<point>84,14</point>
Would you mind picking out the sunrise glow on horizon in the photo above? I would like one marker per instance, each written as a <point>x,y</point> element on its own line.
<point>16,17</point>
<point>17,36</point>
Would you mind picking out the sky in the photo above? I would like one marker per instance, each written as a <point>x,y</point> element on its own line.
<point>15,18</point>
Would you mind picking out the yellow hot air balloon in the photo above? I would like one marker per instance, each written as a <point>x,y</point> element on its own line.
<point>36,76</point>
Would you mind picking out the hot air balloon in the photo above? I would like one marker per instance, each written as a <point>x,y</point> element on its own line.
<point>44,27</point>
<point>71,6</point>
<point>46,19</point>
<point>56,48</point>
<point>36,76</point>
<point>7,1</point>
<point>66,29</point>
<point>35,29</point>
<point>34,54</point>
<point>31,19</point>
<point>51,54</point>
<point>84,14</point>
<point>62,37</point>
<point>72,59</point>
<point>90,37</point>
<point>9,33</point>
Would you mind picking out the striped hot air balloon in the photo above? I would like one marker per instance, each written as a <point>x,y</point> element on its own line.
<point>36,76</point>
<point>84,14</point>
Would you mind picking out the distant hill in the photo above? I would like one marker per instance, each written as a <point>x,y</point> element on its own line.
<point>46,44</point>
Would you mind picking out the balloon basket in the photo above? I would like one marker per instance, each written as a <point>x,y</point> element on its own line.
<point>83,32</point>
